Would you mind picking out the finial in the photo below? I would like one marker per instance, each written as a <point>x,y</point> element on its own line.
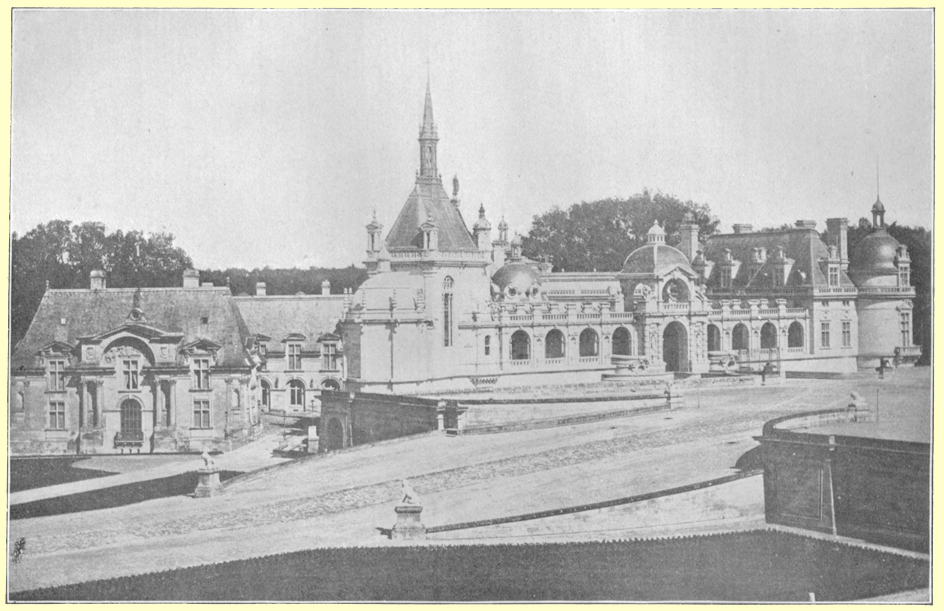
<point>455,186</point>
<point>481,211</point>
<point>878,185</point>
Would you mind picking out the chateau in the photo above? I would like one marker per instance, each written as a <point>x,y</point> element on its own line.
<point>446,307</point>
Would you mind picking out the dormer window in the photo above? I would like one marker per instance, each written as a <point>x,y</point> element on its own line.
<point>777,275</point>
<point>329,356</point>
<point>725,275</point>
<point>904,276</point>
<point>833,275</point>
<point>129,373</point>
<point>57,375</point>
<point>294,352</point>
<point>201,374</point>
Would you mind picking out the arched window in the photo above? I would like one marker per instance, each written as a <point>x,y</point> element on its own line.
<point>795,335</point>
<point>447,312</point>
<point>329,384</point>
<point>622,342</point>
<point>589,343</point>
<point>740,338</point>
<point>488,345</point>
<point>554,344</point>
<point>296,394</point>
<point>266,395</point>
<point>520,346</point>
<point>130,419</point>
<point>714,338</point>
<point>768,336</point>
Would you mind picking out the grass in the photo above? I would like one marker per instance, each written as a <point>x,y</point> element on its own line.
<point>29,473</point>
<point>748,566</point>
<point>115,496</point>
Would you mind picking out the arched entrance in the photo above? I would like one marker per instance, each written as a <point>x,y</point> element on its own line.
<point>714,338</point>
<point>520,346</point>
<point>554,344</point>
<point>675,347</point>
<point>740,338</point>
<point>334,435</point>
<point>768,336</point>
<point>622,345</point>
<point>795,335</point>
<point>131,421</point>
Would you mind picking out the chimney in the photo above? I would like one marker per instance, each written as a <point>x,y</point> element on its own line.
<point>326,287</point>
<point>805,224</point>
<point>838,235</point>
<point>688,234</point>
<point>97,280</point>
<point>191,279</point>
<point>260,289</point>
<point>743,228</point>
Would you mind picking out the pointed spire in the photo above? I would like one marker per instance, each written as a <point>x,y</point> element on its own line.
<point>429,126</point>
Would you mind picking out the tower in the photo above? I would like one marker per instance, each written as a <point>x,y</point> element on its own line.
<point>428,140</point>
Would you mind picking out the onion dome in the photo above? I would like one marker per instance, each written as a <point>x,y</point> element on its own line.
<point>517,281</point>
<point>482,222</point>
<point>875,254</point>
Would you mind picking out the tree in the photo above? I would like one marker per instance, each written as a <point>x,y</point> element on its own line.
<point>600,235</point>
<point>919,243</point>
<point>288,281</point>
<point>63,255</point>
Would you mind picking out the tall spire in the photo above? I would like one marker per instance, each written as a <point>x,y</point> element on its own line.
<point>428,139</point>
<point>878,208</point>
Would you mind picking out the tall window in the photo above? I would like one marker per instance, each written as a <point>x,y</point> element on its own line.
<point>777,275</point>
<point>297,394</point>
<point>833,275</point>
<point>846,334</point>
<point>447,311</point>
<point>904,276</point>
<point>294,356</point>
<point>329,356</point>
<point>129,370</point>
<point>795,335</point>
<point>520,346</point>
<point>589,343</point>
<point>201,374</point>
<point>824,334</point>
<point>725,277</point>
<point>57,375</point>
<point>554,344</point>
<point>488,345</point>
<point>57,415</point>
<point>266,394</point>
<point>906,328</point>
<point>201,414</point>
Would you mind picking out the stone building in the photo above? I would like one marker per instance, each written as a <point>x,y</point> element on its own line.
<point>446,307</point>
<point>299,351</point>
<point>136,370</point>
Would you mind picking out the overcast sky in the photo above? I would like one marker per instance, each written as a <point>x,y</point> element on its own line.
<point>268,137</point>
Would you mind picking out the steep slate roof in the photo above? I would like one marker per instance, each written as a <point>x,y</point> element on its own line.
<point>804,246</point>
<point>429,202</point>
<point>278,316</point>
<point>173,310</point>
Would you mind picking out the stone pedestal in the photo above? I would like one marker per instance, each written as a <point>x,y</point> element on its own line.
<point>408,524</point>
<point>312,440</point>
<point>209,484</point>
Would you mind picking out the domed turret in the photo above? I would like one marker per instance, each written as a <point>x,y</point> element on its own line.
<point>874,255</point>
<point>517,281</point>
<point>656,257</point>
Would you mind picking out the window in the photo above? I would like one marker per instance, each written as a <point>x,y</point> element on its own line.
<point>329,356</point>
<point>131,420</point>
<point>768,336</point>
<point>201,374</point>
<point>57,415</point>
<point>623,345</point>
<point>725,277</point>
<point>297,394</point>
<point>846,303</point>
<point>589,343</point>
<point>201,414</point>
<point>554,344</point>
<point>833,275</point>
<point>825,304</point>
<point>520,346</point>
<point>777,275</point>
<point>824,334</point>
<point>795,335</point>
<point>57,375</point>
<point>447,311</point>
<point>294,356</point>
<point>740,338</point>
<point>906,328</point>
<point>714,338</point>
<point>488,345</point>
<point>904,276</point>
<point>266,394</point>
<point>129,369</point>
<point>846,334</point>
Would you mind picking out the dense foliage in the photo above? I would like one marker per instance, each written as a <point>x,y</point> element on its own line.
<point>600,235</point>
<point>287,281</point>
<point>746,566</point>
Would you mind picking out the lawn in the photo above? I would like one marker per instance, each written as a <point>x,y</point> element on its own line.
<point>115,496</point>
<point>750,566</point>
<point>29,473</point>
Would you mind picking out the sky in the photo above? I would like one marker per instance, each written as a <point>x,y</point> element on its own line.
<point>268,138</point>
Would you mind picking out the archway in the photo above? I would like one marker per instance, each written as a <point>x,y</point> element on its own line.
<point>520,346</point>
<point>131,420</point>
<point>554,344</point>
<point>622,342</point>
<point>334,435</point>
<point>589,343</point>
<point>740,338</point>
<point>266,395</point>
<point>768,336</point>
<point>714,338</point>
<point>795,335</point>
<point>330,384</point>
<point>675,347</point>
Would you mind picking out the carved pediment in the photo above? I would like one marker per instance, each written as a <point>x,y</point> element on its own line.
<point>56,348</point>
<point>200,346</point>
<point>142,331</point>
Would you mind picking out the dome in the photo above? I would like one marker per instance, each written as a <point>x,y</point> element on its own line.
<point>517,280</point>
<point>655,259</point>
<point>875,254</point>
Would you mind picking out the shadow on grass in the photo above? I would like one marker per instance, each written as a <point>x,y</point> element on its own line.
<point>30,473</point>
<point>116,496</point>
<point>746,566</point>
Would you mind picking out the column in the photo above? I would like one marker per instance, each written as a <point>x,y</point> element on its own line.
<point>99,403</point>
<point>172,408</point>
